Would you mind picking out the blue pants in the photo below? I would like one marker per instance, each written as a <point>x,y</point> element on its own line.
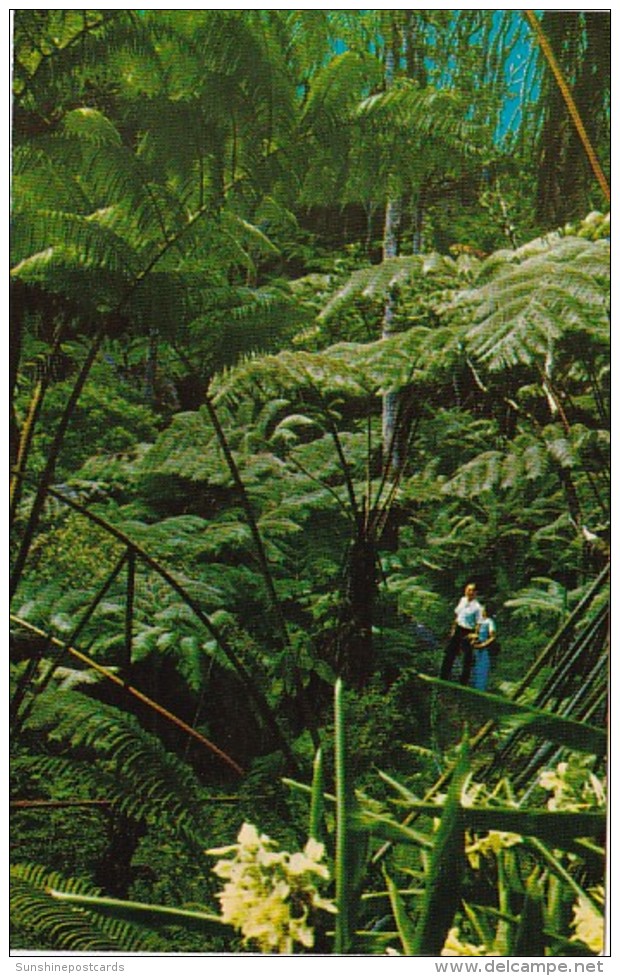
<point>481,668</point>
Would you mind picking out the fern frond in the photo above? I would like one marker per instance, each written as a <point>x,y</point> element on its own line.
<point>65,928</point>
<point>377,281</point>
<point>39,237</point>
<point>531,298</point>
<point>148,781</point>
<point>423,113</point>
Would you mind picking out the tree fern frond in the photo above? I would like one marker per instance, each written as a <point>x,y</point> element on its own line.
<point>524,307</point>
<point>424,113</point>
<point>376,281</point>
<point>92,126</point>
<point>334,87</point>
<point>75,237</point>
<point>63,927</point>
<point>482,473</point>
<point>148,782</point>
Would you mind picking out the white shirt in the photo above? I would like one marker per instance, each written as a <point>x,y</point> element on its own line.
<point>468,613</point>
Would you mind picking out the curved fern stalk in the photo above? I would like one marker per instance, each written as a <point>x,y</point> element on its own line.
<point>64,927</point>
<point>569,100</point>
<point>251,687</point>
<point>67,415</point>
<point>50,466</point>
<point>259,548</point>
<point>154,916</point>
<point>27,432</point>
<point>47,677</point>
<point>110,676</point>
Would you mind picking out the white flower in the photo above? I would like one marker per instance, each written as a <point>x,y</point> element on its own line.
<point>270,894</point>
<point>589,923</point>
<point>491,843</point>
<point>454,947</point>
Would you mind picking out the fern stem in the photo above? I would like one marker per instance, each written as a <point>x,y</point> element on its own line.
<point>57,804</point>
<point>254,692</point>
<point>129,607</point>
<point>25,439</point>
<point>345,467</point>
<point>261,554</point>
<point>50,466</point>
<point>569,101</point>
<point>251,519</point>
<point>27,432</point>
<point>47,677</point>
<point>130,690</point>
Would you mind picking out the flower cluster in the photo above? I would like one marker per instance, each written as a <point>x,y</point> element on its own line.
<point>574,787</point>
<point>269,894</point>
<point>454,947</point>
<point>491,844</point>
<point>588,922</point>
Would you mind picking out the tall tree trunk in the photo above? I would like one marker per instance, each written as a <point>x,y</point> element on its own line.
<point>391,453</point>
<point>391,230</point>
<point>355,658</point>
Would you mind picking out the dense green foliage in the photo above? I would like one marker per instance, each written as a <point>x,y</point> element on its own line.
<point>213,526</point>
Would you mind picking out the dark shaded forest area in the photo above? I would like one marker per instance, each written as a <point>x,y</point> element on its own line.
<point>309,330</point>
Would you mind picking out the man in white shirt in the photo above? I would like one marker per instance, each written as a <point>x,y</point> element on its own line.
<point>467,616</point>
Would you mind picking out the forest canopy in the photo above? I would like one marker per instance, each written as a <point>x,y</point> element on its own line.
<point>309,335</point>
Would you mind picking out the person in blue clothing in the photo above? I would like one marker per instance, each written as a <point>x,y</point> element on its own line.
<point>467,616</point>
<point>481,646</point>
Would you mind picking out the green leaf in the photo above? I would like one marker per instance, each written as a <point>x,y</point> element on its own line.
<point>404,924</point>
<point>446,867</point>
<point>153,916</point>
<point>578,736</point>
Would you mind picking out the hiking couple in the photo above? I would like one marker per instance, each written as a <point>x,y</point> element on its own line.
<point>472,635</point>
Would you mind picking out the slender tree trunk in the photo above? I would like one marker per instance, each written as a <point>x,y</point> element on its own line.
<point>391,453</point>
<point>357,637</point>
<point>50,468</point>
<point>391,230</point>
<point>150,366</point>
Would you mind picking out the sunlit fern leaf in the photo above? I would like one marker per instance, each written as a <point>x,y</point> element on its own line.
<point>531,298</point>
<point>346,369</point>
<point>481,474</point>
<point>425,113</point>
<point>333,90</point>
<point>543,598</point>
<point>41,237</point>
<point>376,281</point>
<point>92,126</point>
